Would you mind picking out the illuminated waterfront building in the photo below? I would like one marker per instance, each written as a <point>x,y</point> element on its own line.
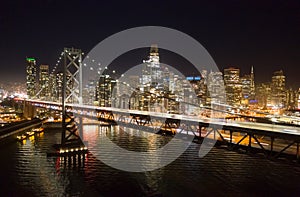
<point>52,86</point>
<point>151,73</point>
<point>44,81</point>
<point>233,86</point>
<point>252,86</point>
<point>263,95</point>
<point>291,99</point>
<point>246,84</point>
<point>278,89</point>
<point>124,90</point>
<point>215,87</point>
<point>199,86</point>
<point>165,79</point>
<point>133,81</point>
<point>31,77</point>
<point>59,86</point>
<point>106,86</point>
<point>91,93</point>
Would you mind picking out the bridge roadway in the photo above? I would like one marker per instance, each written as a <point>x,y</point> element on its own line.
<point>256,128</point>
<point>250,134</point>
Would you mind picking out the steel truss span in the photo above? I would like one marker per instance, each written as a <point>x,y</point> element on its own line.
<point>271,140</point>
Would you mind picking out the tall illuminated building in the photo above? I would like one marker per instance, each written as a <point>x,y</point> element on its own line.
<point>59,86</point>
<point>291,99</point>
<point>31,77</point>
<point>44,81</point>
<point>91,92</point>
<point>215,88</point>
<point>151,73</point>
<point>278,89</point>
<point>246,83</point>
<point>133,81</point>
<point>52,86</point>
<point>106,87</point>
<point>233,86</point>
<point>252,85</point>
<point>263,95</point>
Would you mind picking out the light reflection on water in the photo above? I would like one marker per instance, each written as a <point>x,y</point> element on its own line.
<point>28,172</point>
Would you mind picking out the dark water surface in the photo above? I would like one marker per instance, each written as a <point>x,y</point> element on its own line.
<point>25,170</point>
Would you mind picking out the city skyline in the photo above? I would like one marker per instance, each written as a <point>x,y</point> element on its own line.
<point>175,61</point>
<point>150,98</point>
<point>238,34</point>
<point>157,82</point>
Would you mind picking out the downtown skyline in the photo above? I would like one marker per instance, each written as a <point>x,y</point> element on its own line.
<point>105,88</point>
<point>236,34</point>
<point>208,105</point>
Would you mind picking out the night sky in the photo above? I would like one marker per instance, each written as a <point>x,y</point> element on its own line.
<point>262,33</point>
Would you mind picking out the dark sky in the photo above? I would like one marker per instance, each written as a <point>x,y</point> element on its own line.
<point>262,33</point>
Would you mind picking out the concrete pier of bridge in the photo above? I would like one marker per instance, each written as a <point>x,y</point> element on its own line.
<point>29,110</point>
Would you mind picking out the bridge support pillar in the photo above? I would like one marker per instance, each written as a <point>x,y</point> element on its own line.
<point>70,136</point>
<point>80,128</point>
<point>29,110</point>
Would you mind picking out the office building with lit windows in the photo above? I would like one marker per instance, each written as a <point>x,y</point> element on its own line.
<point>151,73</point>
<point>263,95</point>
<point>106,87</point>
<point>233,86</point>
<point>43,91</point>
<point>252,85</point>
<point>215,88</point>
<point>246,89</point>
<point>52,86</point>
<point>31,77</point>
<point>278,89</point>
<point>59,86</point>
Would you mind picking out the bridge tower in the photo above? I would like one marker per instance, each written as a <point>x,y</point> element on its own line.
<point>72,93</point>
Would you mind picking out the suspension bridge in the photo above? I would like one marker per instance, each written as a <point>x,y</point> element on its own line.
<point>271,140</point>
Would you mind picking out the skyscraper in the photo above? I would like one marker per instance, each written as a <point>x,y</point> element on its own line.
<point>215,88</point>
<point>91,93</point>
<point>31,77</point>
<point>106,87</point>
<point>59,85</point>
<point>233,86</point>
<point>252,85</point>
<point>246,83</point>
<point>151,73</point>
<point>263,95</point>
<point>52,86</point>
<point>44,81</point>
<point>278,89</point>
